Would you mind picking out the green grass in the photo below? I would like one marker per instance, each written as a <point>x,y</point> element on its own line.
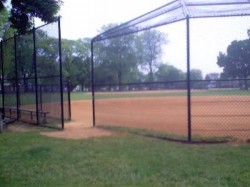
<point>80,96</point>
<point>112,95</point>
<point>169,136</point>
<point>29,159</point>
<point>47,98</point>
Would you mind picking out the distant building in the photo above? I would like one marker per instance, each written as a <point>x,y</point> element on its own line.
<point>212,76</point>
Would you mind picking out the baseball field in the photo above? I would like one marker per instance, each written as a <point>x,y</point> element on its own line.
<point>212,115</point>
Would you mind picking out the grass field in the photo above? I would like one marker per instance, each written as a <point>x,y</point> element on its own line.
<point>30,159</point>
<point>29,98</point>
<point>160,93</point>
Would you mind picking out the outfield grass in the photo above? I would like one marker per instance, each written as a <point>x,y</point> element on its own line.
<point>134,94</point>
<point>29,159</point>
<point>29,98</point>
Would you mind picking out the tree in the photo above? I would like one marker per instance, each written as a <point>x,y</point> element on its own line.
<point>149,47</point>
<point>47,56</point>
<point>196,74</point>
<point>76,61</point>
<point>115,59</point>
<point>169,73</point>
<point>23,12</point>
<point>236,61</point>
<point>196,79</point>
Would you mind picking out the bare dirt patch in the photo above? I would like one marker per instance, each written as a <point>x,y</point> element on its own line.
<point>21,127</point>
<point>211,116</point>
<point>78,131</point>
<point>81,125</point>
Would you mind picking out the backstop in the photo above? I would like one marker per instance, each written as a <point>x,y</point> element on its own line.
<point>164,71</point>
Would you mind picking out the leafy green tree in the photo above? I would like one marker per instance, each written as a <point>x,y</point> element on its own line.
<point>47,55</point>
<point>115,59</point>
<point>169,73</point>
<point>76,61</point>
<point>149,48</point>
<point>196,74</point>
<point>8,47</point>
<point>5,30</point>
<point>236,61</point>
<point>9,59</point>
<point>23,12</point>
<point>196,79</point>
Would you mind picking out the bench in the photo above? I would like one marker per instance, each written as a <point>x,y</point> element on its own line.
<point>32,113</point>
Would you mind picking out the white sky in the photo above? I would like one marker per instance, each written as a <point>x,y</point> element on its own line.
<point>82,18</point>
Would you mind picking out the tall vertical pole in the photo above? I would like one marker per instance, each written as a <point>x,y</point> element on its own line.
<point>188,82</point>
<point>16,79</point>
<point>69,98</point>
<point>35,71</point>
<point>92,81</point>
<point>60,64</point>
<point>2,77</point>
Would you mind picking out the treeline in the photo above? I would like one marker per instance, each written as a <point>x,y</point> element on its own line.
<point>127,59</point>
<point>134,58</point>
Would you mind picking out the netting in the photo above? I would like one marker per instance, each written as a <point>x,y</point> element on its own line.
<point>178,10</point>
<point>220,105</point>
<point>181,86</point>
<point>33,88</point>
<point>9,76</point>
<point>131,87</point>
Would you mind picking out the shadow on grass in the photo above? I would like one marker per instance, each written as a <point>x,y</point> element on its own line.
<point>170,137</point>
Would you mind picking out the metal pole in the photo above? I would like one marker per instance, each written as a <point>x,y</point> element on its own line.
<point>2,77</point>
<point>60,64</point>
<point>16,78</point>
<point>35,70</point>
<point>92,82</point>
<point>41,97</point>
<point>69,98</point>
<point>188,82</point>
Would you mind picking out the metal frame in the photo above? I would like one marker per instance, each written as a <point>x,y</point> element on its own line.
<point>37,90</point>
<point>131,27</point>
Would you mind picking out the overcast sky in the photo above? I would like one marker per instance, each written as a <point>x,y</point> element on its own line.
<point>82,18</point>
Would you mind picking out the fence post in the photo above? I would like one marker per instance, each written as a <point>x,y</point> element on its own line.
<point>16,79</point>
<point>188,82</point>
<point>69,98</point>
<point>60,64</point>
<point>35,70</point>
<point>2,78</point>
<point>1,123</point>
<point>92,81</point>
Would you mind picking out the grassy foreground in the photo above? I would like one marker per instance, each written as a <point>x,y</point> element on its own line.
<point>29,159</point>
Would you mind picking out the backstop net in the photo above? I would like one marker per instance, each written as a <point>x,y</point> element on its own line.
<point>182,69</point>
<point>140,81</point>
<point>220,101</point>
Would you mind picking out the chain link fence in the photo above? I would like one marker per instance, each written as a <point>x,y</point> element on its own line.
<point>163,72</point>
<point>32,83</point>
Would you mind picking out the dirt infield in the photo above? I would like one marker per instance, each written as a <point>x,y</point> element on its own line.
<point>211,116</point>
<point>81,125</point>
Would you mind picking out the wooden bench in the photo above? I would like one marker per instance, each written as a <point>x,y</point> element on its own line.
<point>32,113</point>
